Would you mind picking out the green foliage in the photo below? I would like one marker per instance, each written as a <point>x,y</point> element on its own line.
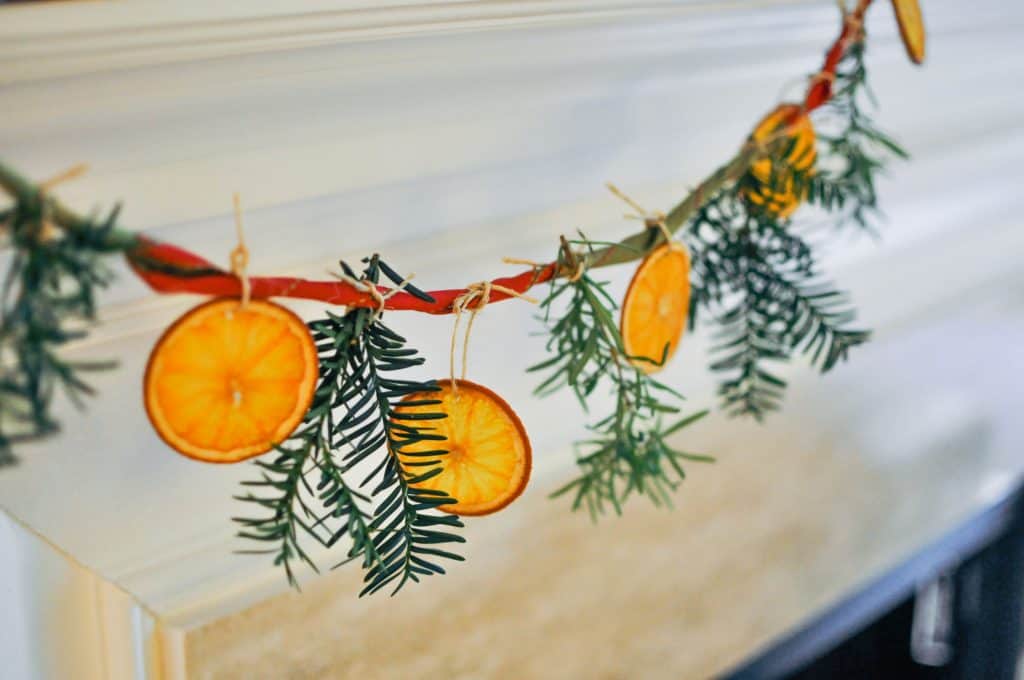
<point>853,150</point>
<point>395,529</point>
<point>628,453</point>
<point>759,282</point>
<point>758,279</point>
<point>47,300</point>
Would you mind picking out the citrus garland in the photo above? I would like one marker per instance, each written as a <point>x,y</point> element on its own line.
<point>237,376</point>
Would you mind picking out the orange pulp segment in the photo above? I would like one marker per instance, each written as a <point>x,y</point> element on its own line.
<point>228,382</point>
<point>908,16</point>
<point>656,305</point>
<point>489,456</point>
<point>770,187</point>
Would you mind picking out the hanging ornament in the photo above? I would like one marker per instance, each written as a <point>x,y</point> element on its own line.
<point>656,304</point>
<point>655,307</point>
<point>231,378</point>
<point>489,455</point>
<point>911,21</point>
<point>772,184</point>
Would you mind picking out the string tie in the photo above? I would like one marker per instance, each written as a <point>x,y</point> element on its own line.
<point>239,257</point>
<point>475,298</point>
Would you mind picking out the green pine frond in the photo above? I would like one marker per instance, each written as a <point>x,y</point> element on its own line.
<point>628,453</point>
<point>853,150</point>
<point>394,528</point>
<point>759,281</point>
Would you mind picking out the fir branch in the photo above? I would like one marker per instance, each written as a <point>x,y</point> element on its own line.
<point>760,282</point>
<point>394,528</point>
<point>47,299</point>
<point>854,151</point>
<point>628,454</point>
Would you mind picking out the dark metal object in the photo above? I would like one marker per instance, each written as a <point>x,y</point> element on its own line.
<point>869,633</point>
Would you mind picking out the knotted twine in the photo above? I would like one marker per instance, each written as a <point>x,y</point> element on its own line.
<point>651,220</point>
<point>481,293</point>
<point>239,257</point>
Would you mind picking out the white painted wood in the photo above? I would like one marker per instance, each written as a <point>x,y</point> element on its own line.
<point>447,135</point>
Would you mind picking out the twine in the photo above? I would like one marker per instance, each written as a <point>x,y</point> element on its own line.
<point>74,172</point>
<point>519,260</point>
<point>481,292</point>
<point>855,21</point>
<point>537,267</point>
<point>381,299</point>
<point>651,220</point>
<point>47,229</point>
<point>240,254</point>
<point>579,265</point>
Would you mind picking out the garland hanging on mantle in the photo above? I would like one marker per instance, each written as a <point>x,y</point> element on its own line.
<point>388,464</point>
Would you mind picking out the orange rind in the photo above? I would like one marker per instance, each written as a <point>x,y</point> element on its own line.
<point>655,308</point>
<point>911,22</point>
<point>770,185</point>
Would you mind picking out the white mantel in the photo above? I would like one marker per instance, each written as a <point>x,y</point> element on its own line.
<point>447,135</point>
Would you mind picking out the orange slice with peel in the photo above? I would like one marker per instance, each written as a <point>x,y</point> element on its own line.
<point>770,183</point>
<point>908,16</point>
<point>227,382</point>
<point>489,457</point>
<point>656,305</point>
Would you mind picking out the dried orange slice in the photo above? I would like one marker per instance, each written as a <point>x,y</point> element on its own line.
<point>772,188</point>
<point>656,305</point>
<point>908,16</point>
<point>489,457</point>
<point>227,382</point>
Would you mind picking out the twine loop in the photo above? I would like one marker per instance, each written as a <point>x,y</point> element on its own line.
<point>854,21</point>
<point>239,256</point>
<point>366,286</point>
<point>577,264</point>
<point>475,298</point>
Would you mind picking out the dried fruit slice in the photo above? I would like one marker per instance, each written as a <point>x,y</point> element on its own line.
<point>769,184</point>
<point>656,305</point>
<point>226,382</point>
<point>908,16</point>
<point>489,457</point>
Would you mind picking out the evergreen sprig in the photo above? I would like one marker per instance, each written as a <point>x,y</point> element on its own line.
<point>759,281</point>
<point>47,299</point>
<point>853,150</point>
<point>394,527</point>
<point>628,453</point>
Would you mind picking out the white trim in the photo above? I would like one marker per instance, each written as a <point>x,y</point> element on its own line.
<point>107,35</point>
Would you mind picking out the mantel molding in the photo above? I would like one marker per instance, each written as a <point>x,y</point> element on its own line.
<point>112,35</point>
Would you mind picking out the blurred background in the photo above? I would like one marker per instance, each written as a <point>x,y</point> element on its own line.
<point>869,528</point>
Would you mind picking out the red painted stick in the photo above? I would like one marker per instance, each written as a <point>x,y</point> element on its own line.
<point>821,88</point>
